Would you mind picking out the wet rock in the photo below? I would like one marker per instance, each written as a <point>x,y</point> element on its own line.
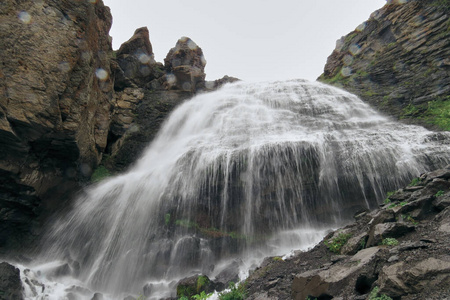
<point>185,66</point>
<point>10,284</point>
<point>97,296</point>
<point>230,274</point>
<point>193,285</point>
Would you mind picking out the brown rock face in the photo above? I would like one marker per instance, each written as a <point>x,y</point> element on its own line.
<point>398,61</point>
<point>136,63</point>
<point>185,65</point>
<point>55,100</point>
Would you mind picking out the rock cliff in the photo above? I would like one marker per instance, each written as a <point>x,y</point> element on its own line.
<point>399,62</point>
<point>69,102</point>
<point>55,103</point>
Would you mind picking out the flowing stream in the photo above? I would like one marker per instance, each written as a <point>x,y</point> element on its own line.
<point>251,170</point>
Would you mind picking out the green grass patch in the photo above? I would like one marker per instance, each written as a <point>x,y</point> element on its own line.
<point>438,113</point>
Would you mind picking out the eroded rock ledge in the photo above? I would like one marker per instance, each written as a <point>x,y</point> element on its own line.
<point>400,250</point>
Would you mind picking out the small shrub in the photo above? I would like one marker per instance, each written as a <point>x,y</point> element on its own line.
<point>277,258</point>
<point>439,193</point>
<point>374,295</point>
<point>338,242</point>
<point>410,219</point>
<point>167,219</point>
<point>390,242</point>
<point>237,292</point>
<point>414,182</point>
<point>202,296</point>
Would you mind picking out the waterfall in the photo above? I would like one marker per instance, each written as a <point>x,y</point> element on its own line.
<point>230,173</point>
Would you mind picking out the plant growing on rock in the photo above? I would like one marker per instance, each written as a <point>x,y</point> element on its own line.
<point>390,242</point>
<point>374,295</point>
<point>335,245</point>
<point>439,193</point>
<point>202,296</point>
<point>237,292</point>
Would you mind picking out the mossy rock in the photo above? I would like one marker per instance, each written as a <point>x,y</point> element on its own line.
<point>194,285</point>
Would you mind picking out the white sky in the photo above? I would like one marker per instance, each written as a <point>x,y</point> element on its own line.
<point>254,40</point>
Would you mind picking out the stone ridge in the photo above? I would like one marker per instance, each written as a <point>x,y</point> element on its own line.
<point>401,250</point>
<point>399,62</point>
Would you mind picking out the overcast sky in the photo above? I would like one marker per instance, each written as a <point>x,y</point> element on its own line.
<point>254,40</point>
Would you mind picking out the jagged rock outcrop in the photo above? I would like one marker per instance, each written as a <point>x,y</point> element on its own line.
<point>360,259</point>
<point>55,103</point>
<point>136,64</point>
<point>185,65</point>
<point>399,61</point>
<point>10,284</point>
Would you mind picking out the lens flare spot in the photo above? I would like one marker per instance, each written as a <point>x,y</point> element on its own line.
<point>144,58</point>
<point>101,74</point>
<point>346,71</point>
<point>186,86</point>
<point>209,85</point>
<point>347,60</point>
<point>64,67</point>
<point>171,79</point>
<point>24,17</point>
<point>144,70</point>
<point>361,27</point>
<point>354,49</point>
<point>92,1</point>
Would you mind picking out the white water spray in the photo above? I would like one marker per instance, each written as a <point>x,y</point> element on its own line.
<point>232,171</point>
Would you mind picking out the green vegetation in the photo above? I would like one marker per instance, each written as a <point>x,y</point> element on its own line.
<point>439,193</point>
<point>338,242</point>
<point>414,182</point>
<point>436,112</point>
<point>167,219</point>
<point>202,296</point>
<point>277,258</point>
<point>202,283</point>
<point>374,295</point>
<point>403,203</point>
<point>337,78</point>
<point>387,200</point>
<point>410,219</point>
<point>100,173</point>
<point>390,242</point>
<point>237,292</point>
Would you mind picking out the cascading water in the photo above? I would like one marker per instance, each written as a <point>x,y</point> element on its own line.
<point>231,171</point>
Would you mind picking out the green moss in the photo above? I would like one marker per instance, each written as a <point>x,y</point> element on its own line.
<point>350,37</point>
<point>277,258</point>
<point>336,78</point>
<point>100,173</point>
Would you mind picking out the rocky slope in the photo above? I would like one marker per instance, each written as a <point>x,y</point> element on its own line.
<point>400,250</point>
<point>399,61</point>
